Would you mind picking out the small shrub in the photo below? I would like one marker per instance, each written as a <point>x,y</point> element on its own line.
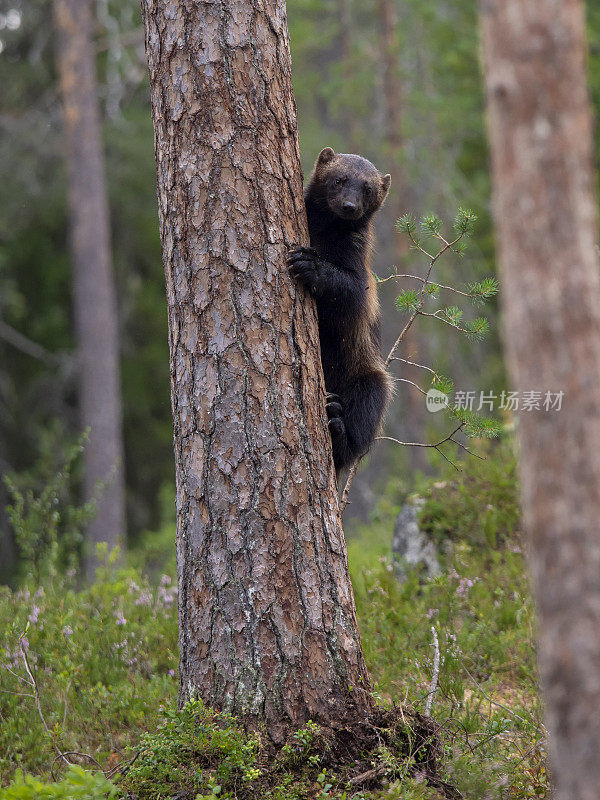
<point>478,505</point>
<point>48,527</point>
<point>76,785</point>
<point>194,751</point>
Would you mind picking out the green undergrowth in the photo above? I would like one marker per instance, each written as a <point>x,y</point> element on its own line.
<point>103,660</point>
<point>77,784</point>
<point>93,671</point>
<point>481,613</point>
<point>206,754</point>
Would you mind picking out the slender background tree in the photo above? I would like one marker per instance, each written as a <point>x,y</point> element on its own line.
<point>267,620</point>
<point>94,293</point>
<point>411,408</point>
<point>546,217</point>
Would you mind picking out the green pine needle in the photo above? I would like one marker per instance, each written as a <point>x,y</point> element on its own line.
<point>464,223</point>
<point>453,315</point>
<point>484,290</point>
<point>431,224</point>
<point>408,300</point>
<point>476,425</point>
<point>477,329</point>
<point>443,384</point>
<point>406,224</point>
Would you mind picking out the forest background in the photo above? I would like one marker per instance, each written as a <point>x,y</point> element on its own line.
<point>437,156</point>
<point>398,81</point>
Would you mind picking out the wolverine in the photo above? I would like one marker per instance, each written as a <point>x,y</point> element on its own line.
<point>342,195</point>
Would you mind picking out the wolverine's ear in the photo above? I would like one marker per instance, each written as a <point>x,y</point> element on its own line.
<point>385,183</point>
<point>325,156</point>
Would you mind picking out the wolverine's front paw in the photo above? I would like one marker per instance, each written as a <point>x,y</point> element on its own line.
<point>335,414</point>
<point>337,430</point>
<point>303,263</point>
<point>333,406</point>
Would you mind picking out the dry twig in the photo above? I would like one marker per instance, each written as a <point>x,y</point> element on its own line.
<point>436,673</point>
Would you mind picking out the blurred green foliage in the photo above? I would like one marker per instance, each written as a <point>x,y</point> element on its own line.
<point>338,85</point>
<point>48,529</point>
<point>78,784</point>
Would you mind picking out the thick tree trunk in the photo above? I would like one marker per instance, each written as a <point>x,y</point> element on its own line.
<point>267,620</point>
<point>94,294</point>
<point>545,208</point>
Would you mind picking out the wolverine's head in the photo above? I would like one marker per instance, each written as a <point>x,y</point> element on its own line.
<point>352,186</point>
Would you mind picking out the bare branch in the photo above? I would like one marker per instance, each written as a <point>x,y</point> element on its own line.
<point>466,449</point>
<point>400,338</point>
<point>447,246</point>
<point>435,315</point>
<point>435,446</point>
<point>62,755</point>
<point>413,363</point>
<point>348,484</point>
<point>25,345</point>
<point>75,753</point>
<point>17,694</point>
<point>35,689</point>
<point>16,675</point>
<point>423,444</point>
<point>412,383</point>
<point>399,275</point>
<point>449,460</point>
<point>422,280</point>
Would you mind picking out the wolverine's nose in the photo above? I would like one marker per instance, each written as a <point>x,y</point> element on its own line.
<point>348,206</point>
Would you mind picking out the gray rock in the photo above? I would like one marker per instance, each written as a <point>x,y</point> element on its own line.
<point>410,546</point>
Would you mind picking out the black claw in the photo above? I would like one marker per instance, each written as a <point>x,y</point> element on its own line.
<point>307,250</point>
<point>306,253</point>
<point>302,254</point>
<point>333,398</point>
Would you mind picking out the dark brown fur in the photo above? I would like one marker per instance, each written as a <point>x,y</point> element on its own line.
<point>342,195</point>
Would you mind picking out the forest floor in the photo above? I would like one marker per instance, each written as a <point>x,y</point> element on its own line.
<point>93,672</point>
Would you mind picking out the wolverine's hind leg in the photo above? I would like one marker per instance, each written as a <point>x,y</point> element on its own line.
<point>363,404</point>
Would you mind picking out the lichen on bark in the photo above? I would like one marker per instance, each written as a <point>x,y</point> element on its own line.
<point>267,621</point>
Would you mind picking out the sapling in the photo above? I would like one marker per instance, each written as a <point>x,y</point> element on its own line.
<point>423,301</point>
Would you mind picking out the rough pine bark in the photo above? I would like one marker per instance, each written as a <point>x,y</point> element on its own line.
<point>266,611</point>
<point>545,208</point>
<point>96,324</point>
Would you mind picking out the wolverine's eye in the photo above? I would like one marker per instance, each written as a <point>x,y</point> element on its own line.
<point>368,192</point>
<point>338,182</point>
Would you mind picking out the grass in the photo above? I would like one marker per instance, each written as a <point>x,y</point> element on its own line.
<point>104,662</point>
